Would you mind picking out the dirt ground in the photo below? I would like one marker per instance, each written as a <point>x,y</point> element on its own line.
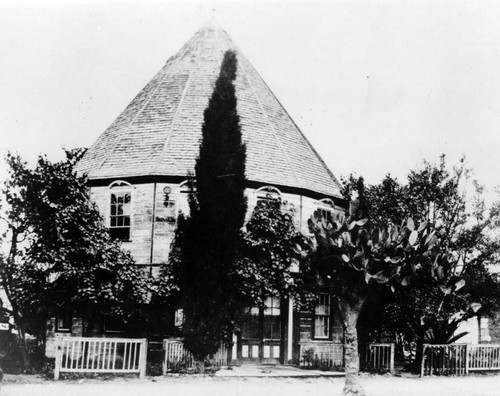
<point>487,385</point>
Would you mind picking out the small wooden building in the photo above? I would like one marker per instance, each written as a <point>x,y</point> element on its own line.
<point>138,171</point>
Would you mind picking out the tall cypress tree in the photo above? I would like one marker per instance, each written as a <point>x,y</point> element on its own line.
<point>212,302</point>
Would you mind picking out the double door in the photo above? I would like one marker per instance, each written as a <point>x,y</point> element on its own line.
<point>262,334</point>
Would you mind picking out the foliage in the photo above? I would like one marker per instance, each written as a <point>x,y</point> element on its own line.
<point>154,369</point>
<point>61,256</point>
<point>463,226</point>
<point>166,288</point>
<point>211,299</point>
<point>365,255</point>
<point>269,252</point>
<point>314,362</point>
<point>443,331</point>
<point>167,284</point>
<point>351,257</point>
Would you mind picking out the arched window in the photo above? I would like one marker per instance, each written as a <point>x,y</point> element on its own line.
<point>120,210</point>
<point>326,208</point>
<point>268,193</point>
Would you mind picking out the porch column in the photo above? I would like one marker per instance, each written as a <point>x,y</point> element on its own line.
<point>234,349</point>
<point>290,330</point>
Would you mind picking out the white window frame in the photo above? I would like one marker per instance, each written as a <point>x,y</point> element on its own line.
<point>322,316</point>
<point>60,322</point>
<point>179,318</point>
<point>121,187</point>
<point>183,198</point>
<point>272,307</point>
<point>326,208</point>
<point>267,193</point>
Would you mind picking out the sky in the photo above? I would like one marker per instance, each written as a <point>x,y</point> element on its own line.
<point>376,86</point>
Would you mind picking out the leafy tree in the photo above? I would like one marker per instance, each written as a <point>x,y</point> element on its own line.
<point>465,228</point>
<point>60,255</point>
<point>351,258</point>
<point>269,252</point>
<point>211,299</point>
<point>166,287</point>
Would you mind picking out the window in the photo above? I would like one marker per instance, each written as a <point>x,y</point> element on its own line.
<point>251,325</point>
<point>184,190</point>
<point>272,319</point>
<point>64,322</point>
<point>325,209</point>
<point>113,324</point>
<point>120,211</point>
<point>179,318</point>
<point>322,317</point>
<point>268,193</point>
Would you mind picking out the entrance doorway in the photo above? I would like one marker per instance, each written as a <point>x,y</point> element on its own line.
<point>262,334</point>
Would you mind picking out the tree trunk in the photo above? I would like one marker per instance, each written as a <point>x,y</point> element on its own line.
<point>350,310</point>
<point>23,347</point>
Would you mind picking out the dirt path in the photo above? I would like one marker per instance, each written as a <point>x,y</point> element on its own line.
<point>191,386</point>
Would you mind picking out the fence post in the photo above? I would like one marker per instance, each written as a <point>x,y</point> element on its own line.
<point>143,359</point>
<point>467,359</point>
<point>165,354</point>
<point>422,363</point>
<point>57,367</point>
<point>392,359</point>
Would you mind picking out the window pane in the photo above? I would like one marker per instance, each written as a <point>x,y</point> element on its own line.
<point>251,328</point>
<point>126,208</point>
<point>272,306</point>
<point>326,326</point>
<point>120,210</point>
<point>272,329</point>
<point>322,316</point>
<point>120,233</point>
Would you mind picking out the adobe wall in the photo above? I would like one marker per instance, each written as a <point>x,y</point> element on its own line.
<point>161,233</point>
<point>155,221</point>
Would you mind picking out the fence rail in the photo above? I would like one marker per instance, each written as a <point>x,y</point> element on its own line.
<point>459,359</point>
<point>484,357</point>
<point>178,358</point>
<point>379,357</point>
<point>100,355</point>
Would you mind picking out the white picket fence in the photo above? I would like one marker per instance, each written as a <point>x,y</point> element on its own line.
<point>329,355</point>
<point>100,355</point>
<point>484,357</point>
<point>459,359</point>
<point>321,353</point>
<point>178,358</point>
<point>379,357</point>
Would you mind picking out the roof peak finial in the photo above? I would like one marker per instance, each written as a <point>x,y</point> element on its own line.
<point>213,22</point>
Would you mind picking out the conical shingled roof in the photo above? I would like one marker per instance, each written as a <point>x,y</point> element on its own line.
<point>158,133</point>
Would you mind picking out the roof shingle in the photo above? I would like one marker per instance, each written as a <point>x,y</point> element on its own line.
<point>158,133</point>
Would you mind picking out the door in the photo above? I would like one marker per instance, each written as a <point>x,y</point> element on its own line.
<point>271,321</point>
<point>261,334</point>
